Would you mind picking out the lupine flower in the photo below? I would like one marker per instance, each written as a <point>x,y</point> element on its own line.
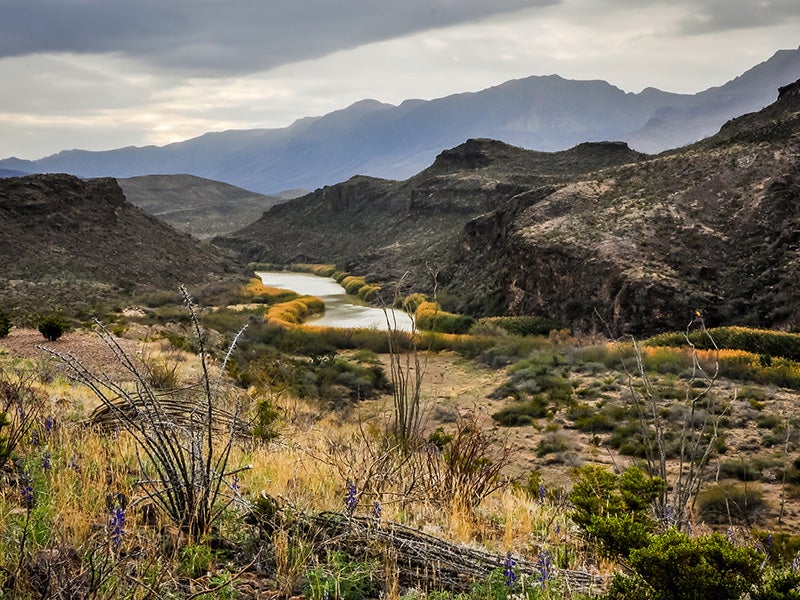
<point>796,563</point>
<point>35,442</point>
<point>235,485</point>
<point>46,463</point>
<point>508,570</point>
<point>49,423</point>
<point>768,542</point>
<point>117,525</point>
<point>558,529</point>
<point>729,534</point>
<point>351,500</point>
<point>28,497</point>
<point>542,493</point>
<point>377,511</point>
<point>543,562</point>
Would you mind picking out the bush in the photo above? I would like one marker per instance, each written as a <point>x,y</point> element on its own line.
<point>522,413</point>
<point>52,327</point>
<point>5,324</point>
<point>727,503</point>
<point>431,317</point>
<point>521,325</point>
<point>679,567</point>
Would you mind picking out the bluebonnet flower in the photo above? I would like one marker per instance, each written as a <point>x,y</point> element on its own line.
<point>117,525</point>
<point>729,534</point>
<point>796,563</point>
<point>46,463</point>
<point>351,500</point>
<point>377,511</point>
<point>235,485</point>
<point>508,570</point>
<point>768,542</point>
<point>543,562</point>
<point>28,497</point>
<point>49,423</point>
<point>35,442</point>
<point>542,493</point>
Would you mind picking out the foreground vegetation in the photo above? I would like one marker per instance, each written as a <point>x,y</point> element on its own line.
<point>647,456</point>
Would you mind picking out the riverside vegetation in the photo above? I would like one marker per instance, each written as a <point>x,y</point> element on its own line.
<point>268,461</point>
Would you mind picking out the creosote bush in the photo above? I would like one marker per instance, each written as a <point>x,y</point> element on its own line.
<point>52,326</point>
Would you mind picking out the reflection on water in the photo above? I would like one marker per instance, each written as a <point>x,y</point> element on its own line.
<point>339,310</point>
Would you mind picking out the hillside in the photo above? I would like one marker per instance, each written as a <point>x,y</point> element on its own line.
<point>201,207</point>
<point>68,241</point>
<point>595,237</point>
<point>370,138</point>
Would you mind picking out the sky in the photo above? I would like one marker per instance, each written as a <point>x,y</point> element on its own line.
<point>103,74</point>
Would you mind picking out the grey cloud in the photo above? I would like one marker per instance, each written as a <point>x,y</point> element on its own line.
<point>709,16</point>
<point>210,37</point>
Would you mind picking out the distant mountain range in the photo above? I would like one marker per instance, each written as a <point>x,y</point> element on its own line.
<point>370,138</point>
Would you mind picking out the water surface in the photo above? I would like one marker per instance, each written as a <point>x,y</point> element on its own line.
<point>339,308</point>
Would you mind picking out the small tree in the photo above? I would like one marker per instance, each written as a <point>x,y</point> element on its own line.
<point>52,327</point>
<point>5,324</point>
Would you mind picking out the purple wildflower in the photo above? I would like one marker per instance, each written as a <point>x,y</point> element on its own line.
<point>377,511</point>
<point>730,535</point>
<point>543,562</point>
<point>768,542</point>
<point>796,563</point>
<point>46,462</point>
<point>542,493</point>
<point>508,570</point>
<point>74,465</point>
<point>117,525</point>
<point>351,500</point>
<point>35,441</point>
<point>49,423</point>
<point>28,497</point>
<point>235,485</point>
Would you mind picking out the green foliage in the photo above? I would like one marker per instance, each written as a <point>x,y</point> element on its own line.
<point>763,342</point>
<point>5,324</point>
<point>52,326</point>
<point>521,325</point>
<point>678,567</point>
<point>615,509</point>
<point>195,560</point>
<point>522,413</point>
<point>341,579</point>
<point>266,420</point>
<point>431,317</point>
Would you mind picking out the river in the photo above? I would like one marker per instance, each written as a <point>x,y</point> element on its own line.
<point>339,308</point>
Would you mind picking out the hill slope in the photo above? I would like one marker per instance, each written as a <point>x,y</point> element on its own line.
<point>370,138</point>
<point>201,207</point>
<point>595,237</point>
<point>68,241</point>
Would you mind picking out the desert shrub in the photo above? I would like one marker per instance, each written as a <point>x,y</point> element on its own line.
<point>265,423</point>
<point>729,503</point>
<point>677,566</point>
<point>591,419</point>
<point>614,509</point>
<point>553,442</point>
<point>521,325</point>
<point>522,413</point>
<point>5,324</point>
<point>52,326</point>
<point>411,302</point>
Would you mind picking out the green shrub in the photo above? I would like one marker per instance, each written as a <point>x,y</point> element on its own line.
<point>266,420</point>
<point>522,413</point>
<point>352,284</point>
<point>431,317</point>
<point>5,324</point>
<point>341,579</point>
<point>52,326</point>
<point>678,567</point>
<point>521,325</point>
<point>763,342</point>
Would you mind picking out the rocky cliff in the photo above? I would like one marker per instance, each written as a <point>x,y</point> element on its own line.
<point>597,237</point>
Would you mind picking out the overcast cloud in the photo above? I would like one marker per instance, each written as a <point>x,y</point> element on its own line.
<point>99,74</point>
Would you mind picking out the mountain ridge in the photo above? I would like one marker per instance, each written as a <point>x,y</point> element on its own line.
<point>372,138</point>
